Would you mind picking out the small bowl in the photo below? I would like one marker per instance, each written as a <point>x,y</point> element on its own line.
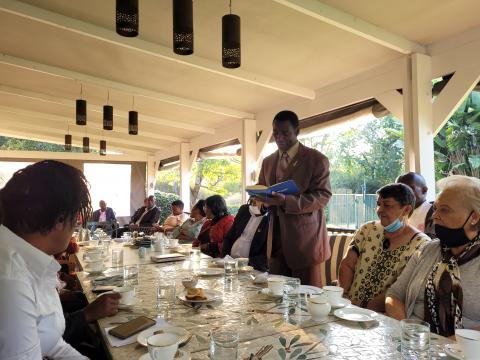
<point>190,282</point>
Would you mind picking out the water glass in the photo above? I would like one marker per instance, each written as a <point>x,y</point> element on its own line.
<point>231,267</point>
<point>415,339</point>
<point>165,296</point>
<point>195,253</point>
<point>224,345</point>
<point>291,289</point>
<point>117,257</point>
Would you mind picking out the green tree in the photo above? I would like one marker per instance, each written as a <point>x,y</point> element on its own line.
<point>9,143</point>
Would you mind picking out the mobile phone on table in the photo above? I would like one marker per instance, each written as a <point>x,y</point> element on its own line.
<point>132,327</point>
<point>102,288</point>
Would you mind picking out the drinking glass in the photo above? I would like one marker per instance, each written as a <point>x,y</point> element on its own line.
<point>117,257</point>
<point>165,297</point>
<point>231,268</point>
<point>415,339</point>
<point>223,344</point>
<point>195,253</point>
<point>291,291</point>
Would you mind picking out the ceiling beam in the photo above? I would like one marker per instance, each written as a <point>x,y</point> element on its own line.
<point>92,125</point>
<point>116,113</point>
<point>53,155</point>
<point>122,87</point>
<point>18,122</point>
<point>137,44</point>
<point>354,25</point>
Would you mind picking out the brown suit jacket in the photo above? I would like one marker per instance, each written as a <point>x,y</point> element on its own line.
<point>303,227</point>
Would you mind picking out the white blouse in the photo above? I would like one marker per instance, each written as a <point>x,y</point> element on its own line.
<point>31,316</point>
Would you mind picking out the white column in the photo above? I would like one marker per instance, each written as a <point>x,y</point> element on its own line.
<point>185,174</point>
<point>408,146</point>
<point>249,155</point>
<point>152,166</point>
<point>422,119</point>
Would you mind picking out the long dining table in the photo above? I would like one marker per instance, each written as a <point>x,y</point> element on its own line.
<point>259,319</point>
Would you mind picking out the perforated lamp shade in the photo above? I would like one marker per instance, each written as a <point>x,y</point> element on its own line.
<point>103,147</point>
<point>183,27</point>
<point>231,55</point>
<point>86,144</point>
<point>68,142</point>
<point>126,18</point>
<point>133,123</point>
<point>81,112</point>
<point>107,117</point>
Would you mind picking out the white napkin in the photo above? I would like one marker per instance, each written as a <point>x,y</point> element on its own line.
<point>116,342</point>
<point>261,278</point>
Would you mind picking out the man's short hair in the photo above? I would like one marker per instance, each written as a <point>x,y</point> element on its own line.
<point>287,115</point>
<point>42,194</point>
<point>178,203</point>
<point>151,197</point>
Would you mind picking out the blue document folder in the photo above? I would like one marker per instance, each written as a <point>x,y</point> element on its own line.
<point>287,188</point>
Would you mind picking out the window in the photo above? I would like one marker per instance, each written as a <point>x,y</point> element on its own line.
<point>110,182</point>
<point>8,168</point>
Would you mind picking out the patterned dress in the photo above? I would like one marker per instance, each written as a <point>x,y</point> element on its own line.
<point>376,268</point>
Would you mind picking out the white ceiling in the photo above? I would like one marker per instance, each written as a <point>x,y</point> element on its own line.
<point>285,54</point>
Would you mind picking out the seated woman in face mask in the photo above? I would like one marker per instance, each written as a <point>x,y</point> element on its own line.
<point>247,237</point>
<point>440,283</point>
<point>380,250</point>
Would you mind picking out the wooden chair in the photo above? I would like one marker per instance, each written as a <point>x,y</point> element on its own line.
<point>339,246</point>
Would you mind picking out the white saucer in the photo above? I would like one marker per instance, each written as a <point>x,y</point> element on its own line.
<point>454,351</point>
<point>129,305</point>
<point>181,332</point>
<point>212,295</point>
<point>267,292</point>
<point>355,314</point>
<point>210,272</point>
<point>341,304</point>
<point>245,269</point>
<point>183,355</point>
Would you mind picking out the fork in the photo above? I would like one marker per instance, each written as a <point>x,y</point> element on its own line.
<point>264,350</point>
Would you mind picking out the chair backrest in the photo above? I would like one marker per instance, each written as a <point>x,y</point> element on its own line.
<point>339,246</point>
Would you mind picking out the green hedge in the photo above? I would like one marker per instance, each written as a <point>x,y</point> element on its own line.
<point>163,201</point>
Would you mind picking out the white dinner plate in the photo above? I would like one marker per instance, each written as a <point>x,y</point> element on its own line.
<point>355,314</point>
<point>342,303</point>
<point>212,295</point>
<point>183,334</point>
<point>180,355</point>
<point>454,351</point>
<point>210,272</point>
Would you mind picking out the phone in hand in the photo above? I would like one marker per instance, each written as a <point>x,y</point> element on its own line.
<point>132,327</point>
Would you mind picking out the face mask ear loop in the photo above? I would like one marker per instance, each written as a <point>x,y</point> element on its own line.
<point>468,218</point>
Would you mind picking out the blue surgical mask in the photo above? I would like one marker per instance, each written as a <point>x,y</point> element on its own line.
<point>394,226</point>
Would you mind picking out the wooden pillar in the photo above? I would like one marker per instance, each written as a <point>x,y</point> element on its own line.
<point>152,166</point>
<point>185,174</point>
<point>249,155</point>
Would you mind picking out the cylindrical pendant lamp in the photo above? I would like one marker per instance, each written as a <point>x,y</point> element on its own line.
<point>103,147</point>
<point>231,56</point>
<point>133,123</point>
<point>183,27</point>
<point>86,144</point>
<point>68,142</point>
<point>126,18</point>
<point>107,117</point>
<point>81,112</point>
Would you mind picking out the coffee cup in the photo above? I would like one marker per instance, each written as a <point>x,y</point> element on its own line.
<point>469,343</point>
<point>334,294</point>
<point>318,307</point>
<point>94,265</point>
<point>127,294</point>
<point>275,286</point>
<point>163,346</point>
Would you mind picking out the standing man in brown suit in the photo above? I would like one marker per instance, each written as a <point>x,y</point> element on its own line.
<point>297,239</point>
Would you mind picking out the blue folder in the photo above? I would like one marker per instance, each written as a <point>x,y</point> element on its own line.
<point>287,188</point>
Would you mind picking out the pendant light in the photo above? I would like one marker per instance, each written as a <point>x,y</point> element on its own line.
<point>81,109</point>
<point>183,27</point>
<point>108,115</point>
<point>133,120</point>
<point>231,56</point>
<point>86,144</point>
<point>126,18</point>
<point>103,147</point>
<point>68,142</point>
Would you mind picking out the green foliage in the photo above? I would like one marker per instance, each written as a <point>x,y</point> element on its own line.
<point>163,201</point>
<point>8,143</point>
<point>457,144</point>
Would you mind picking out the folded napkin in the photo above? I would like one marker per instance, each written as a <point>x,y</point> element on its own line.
<point>116,342</point>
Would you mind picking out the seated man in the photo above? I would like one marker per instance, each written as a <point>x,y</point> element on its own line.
<point>175,219</point>
<point>247,237</point>
<point>421,217</point>
<point>104,214</point>
<point>38,220</point>
<point>144,217</point>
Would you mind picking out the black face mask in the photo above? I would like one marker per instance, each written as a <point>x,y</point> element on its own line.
<point>451,238</point>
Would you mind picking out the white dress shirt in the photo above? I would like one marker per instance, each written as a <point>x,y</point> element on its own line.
<point>103,216</point>
<point>241,247</point>
<point>31,316</point>
<point>417,219</point>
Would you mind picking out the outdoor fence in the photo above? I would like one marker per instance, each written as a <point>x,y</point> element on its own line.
<point>351,210</point>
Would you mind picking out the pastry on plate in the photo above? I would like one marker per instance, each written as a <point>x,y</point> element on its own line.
<point>195,294</point>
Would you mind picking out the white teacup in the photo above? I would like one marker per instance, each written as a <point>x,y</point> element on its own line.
<point>469,342</point>
<point>163,346</point>
<point>334,294</point>
<point>319,307</point>
<point>275,286</point>
<point>173,243</point>
<point>94,265</point>
<point>127,294</point>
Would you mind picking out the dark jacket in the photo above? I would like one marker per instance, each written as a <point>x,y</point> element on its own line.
<point>258,249</point>
<point>150,218</point>
<point>213,233</point>
<point>110,215</point>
